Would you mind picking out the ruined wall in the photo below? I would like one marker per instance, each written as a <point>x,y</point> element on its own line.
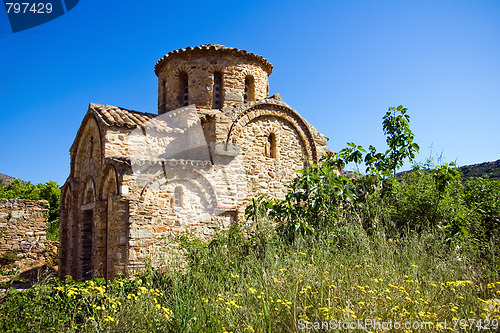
<point>22,225</point>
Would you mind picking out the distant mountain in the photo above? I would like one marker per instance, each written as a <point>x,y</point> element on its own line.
<point>5,180</point>
<point>489,170</point>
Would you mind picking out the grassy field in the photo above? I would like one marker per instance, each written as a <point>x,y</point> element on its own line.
<point>262,284</point>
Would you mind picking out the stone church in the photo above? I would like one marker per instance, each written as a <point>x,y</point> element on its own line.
<point>138,178</point>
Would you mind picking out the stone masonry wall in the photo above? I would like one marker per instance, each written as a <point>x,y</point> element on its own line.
<point>267,175</point>
<point>22,225</point>
<point>137,180</point>
<point>200,71</point>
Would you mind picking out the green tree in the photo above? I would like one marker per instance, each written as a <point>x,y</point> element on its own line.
<point>396,125</point>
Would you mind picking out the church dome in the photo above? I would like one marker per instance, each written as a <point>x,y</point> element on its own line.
<point>211,76</point>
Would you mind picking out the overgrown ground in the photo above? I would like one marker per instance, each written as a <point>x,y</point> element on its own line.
<point>264,285</point>
<point>375,252</point>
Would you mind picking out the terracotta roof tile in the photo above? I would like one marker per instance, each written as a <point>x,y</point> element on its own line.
<point>214,47</point>
<point>120,117</point>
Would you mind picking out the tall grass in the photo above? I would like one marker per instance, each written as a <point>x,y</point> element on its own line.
<point>264,284</point>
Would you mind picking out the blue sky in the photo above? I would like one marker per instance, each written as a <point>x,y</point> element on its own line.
<point>341,64</point>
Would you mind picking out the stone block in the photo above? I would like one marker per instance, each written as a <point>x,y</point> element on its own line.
<point>16,214</point>
<point>233,97</point>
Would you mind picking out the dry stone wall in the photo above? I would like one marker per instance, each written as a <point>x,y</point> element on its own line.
<point>22,225</point>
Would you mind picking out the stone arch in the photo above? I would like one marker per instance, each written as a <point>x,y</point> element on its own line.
<point>89,192</point>
<point>109,182</point>
<point>216,68</point>
<point>278,110</point>
<point>112,229</point>
<point>89,143</point>
<point>175,174</point>
<point>183,69</point>
<point>86,230</point>
<point>273,142</point>
<point>66,197</point>
<point>270,150</point>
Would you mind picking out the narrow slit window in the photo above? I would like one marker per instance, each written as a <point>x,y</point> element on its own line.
<point>217,91</point>
<point>270,148</point>
<point>164,97</point>
<point>183,89</point>
<point>178,197</point>
<point>249,94</point>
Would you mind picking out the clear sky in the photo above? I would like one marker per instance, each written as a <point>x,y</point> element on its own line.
<point>340,63</point>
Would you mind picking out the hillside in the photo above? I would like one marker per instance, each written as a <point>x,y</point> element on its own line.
<point>487,170</point>
<point>490,170</point>
<point>4,179</point>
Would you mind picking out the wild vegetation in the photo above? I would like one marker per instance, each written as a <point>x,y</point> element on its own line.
<point>419,250</point>
<point>488,170</point>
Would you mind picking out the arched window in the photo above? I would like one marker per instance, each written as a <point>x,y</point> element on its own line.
<point>183,97</point>
<point>86,246</point>
<point>89,196</point>
<point>217,91</point>
<point>178,197</point>
<point>249,89</point>
<point>270,147</point>
<point>89,193</point>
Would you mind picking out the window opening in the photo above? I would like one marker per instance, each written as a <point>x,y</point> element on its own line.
<point>270,148</point>
<point>249,89</point>
<point>217,91</point>
<point>178,197</point>
<point>183,89</point>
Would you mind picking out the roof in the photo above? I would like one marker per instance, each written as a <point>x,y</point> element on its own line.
<point>214,48</point>
<point>120,117</point>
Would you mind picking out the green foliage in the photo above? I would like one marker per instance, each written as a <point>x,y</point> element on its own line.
<point>481,198</point>
<point>93,306</point>
<point>17,189</point>
<point>396,127</point>
<point>423,199</point>
<point>422,246</point>
<point>49,191</point>
<point>487,170</point>
<point>321,198</point>
<point>430,198</point>
<point>268,288</point>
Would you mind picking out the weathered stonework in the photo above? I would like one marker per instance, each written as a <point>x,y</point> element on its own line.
<point>200,63</point>
<point>22,226</point>
<point>138,178</point>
